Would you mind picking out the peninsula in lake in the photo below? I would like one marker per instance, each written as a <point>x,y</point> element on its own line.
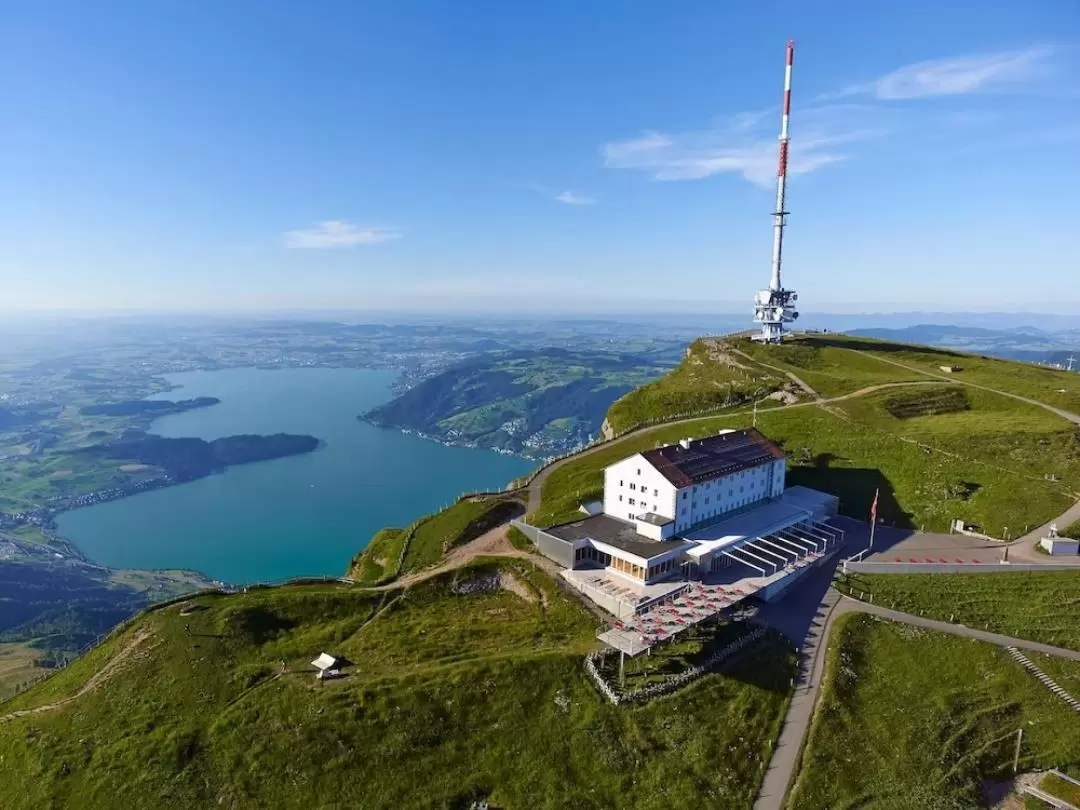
<point>535,403</point>
<point>147,407</point>
<point>184,459</point>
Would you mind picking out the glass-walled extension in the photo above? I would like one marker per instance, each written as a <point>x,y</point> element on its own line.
<point>628,568</point>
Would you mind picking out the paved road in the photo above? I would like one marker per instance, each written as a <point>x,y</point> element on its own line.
<point>804,616</point>
<point>785,756</point>
<point>1024,547</point>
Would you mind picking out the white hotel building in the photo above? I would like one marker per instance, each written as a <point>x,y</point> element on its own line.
<point>673,489</point>
<point>699,511</point>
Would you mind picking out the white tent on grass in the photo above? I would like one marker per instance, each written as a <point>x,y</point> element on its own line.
<point>328,665</point>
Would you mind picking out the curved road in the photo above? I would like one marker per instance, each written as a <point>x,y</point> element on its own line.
<point>785,756</point>
<point>535,486</point>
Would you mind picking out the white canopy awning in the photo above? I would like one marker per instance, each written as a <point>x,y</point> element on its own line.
<point>325,661</point>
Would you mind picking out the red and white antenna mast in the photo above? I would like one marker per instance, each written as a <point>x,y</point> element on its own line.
<point>776,306</point>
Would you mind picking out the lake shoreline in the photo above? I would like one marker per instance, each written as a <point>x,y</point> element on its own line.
<point>305,516</point>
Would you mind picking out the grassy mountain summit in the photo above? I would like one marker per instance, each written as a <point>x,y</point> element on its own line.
<point>856,416</point>
<point>711,376</point>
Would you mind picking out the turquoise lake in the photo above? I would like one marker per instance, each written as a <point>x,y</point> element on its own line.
<point>302,515</point>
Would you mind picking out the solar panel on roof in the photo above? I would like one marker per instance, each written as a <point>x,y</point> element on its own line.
<point>712,457</point>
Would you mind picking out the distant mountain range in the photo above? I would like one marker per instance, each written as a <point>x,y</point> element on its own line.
<point>1019,343</point>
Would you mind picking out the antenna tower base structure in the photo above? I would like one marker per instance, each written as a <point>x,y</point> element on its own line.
<point>775,306</point>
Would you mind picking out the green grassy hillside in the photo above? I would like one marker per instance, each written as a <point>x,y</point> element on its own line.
<point>838,364</point>
<point>710,377</point>
<point>892,733</point>
<point>392,552</point>
<point>536,403</point>
<point>936,449</point>
<point>832,365</point>
<point>380,557</point>
<point>453,697</point>
<point>987,464</point>
<point>1043,606</point>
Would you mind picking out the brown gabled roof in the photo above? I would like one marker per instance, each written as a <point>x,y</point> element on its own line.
<point>713,457</point>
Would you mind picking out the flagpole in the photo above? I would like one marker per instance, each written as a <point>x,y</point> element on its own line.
<point>873,519</point>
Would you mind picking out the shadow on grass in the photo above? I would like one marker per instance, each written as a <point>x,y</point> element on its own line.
<point>855,487</point>
<point>769,664</point>
<point>259,625</point>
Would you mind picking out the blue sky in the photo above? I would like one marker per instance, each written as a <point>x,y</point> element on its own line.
<point>591,156</point>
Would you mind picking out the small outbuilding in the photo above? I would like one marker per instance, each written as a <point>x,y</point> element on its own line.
<point>328,666</point>
<point>1055,545</point>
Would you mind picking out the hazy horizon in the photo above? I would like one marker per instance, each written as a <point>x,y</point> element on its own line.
<point>727,320</point>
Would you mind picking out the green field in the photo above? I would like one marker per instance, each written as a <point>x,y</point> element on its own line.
<point>837,364</point>
<point>1072,530</point>
<point>451,699</point>
<point>986,465</point>
<point>913,720</point>
<point>1042,606</point>
<point>833,365</point>
<point>709,378</point>
<point>1052,386</point>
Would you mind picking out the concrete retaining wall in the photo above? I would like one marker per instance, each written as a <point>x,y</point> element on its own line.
<point>559,551</point>
<point>952,568</point>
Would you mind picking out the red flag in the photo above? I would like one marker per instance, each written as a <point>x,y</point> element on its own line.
<point>873,507</point>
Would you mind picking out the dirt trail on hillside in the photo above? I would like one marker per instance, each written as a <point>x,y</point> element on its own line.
<point>95,680</point>
<point>790,375</point>
<point>493,543</point>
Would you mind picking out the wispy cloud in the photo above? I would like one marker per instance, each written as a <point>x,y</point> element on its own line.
<point>336,233</point>
<point>956,75</point>
<point>572,198</point>
<point>739,145</point>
